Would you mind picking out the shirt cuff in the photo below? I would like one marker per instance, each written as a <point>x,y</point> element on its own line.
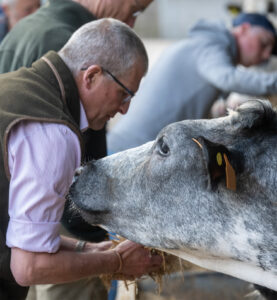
<point>34,237</point>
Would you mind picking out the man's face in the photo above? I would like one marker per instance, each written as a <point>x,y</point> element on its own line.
<point>21,9</point>
<point>255,45</point>
<point>102,97</point>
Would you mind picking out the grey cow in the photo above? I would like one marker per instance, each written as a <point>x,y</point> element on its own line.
<point>204,190</point>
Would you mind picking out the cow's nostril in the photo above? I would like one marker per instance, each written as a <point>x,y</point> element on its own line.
<point>78,171</point>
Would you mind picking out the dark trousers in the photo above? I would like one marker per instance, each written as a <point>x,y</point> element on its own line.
<point>11,291</point>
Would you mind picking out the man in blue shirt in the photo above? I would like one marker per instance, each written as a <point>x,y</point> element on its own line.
<point>190,75</point>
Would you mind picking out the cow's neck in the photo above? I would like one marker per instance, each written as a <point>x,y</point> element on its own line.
<point>231,267</point>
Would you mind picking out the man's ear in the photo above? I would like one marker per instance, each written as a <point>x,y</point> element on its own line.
<point>91,74</point>
<point>220,163</point>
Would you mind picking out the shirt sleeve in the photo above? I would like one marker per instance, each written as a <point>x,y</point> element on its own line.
<point>42,161</point>
<point>216,65</point>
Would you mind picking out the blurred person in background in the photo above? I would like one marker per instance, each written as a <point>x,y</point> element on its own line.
<point>11,11</point>
<point>53,24</point>
<point>193,73</point>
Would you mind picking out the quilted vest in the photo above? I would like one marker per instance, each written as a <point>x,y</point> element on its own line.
<point>46,92</point>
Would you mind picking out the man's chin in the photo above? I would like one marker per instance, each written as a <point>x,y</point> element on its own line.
<point>97,125</point>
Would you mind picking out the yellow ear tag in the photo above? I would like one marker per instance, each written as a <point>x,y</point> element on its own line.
<point>219,158</point>
<point>230,175</point>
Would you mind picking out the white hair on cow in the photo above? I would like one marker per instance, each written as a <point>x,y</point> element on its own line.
<point>107,42</point>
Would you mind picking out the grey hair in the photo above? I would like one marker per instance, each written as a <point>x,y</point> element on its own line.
<point>106,42</point>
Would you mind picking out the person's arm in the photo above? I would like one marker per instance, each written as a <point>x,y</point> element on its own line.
<point>215,65</point>
<point>67,265</point>
<point>42,160</point>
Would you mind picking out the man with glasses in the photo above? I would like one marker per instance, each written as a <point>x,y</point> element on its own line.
<point>11,11</point>
<point>49,29</point>
<point>53,24</point>
<point>41,122</point>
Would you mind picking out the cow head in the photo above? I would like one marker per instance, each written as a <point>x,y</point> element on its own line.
<point>204,190</point>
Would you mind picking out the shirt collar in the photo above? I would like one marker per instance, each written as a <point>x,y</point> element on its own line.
<point>83,118</point>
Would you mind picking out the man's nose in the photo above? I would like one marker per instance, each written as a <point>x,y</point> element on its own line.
<point>124,108</point>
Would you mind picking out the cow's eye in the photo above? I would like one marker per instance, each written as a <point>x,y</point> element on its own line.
<point>163,147</point>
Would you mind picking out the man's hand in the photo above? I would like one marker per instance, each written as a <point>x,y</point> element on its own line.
<point>67,264</point>
<point>137,260</point>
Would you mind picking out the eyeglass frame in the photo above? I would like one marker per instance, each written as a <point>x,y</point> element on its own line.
<point>131,93</point>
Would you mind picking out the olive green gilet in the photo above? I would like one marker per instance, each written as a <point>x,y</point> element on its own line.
<point>46,92</point>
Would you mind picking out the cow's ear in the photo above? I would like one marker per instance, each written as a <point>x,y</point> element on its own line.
<point>218,160</point>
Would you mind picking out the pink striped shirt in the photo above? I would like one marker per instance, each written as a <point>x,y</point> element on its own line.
<point>42,161</point>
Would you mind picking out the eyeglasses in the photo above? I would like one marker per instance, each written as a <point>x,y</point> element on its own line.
<point>131,93</point>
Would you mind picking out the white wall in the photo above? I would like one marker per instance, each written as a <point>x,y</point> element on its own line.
<point>171,19</point>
